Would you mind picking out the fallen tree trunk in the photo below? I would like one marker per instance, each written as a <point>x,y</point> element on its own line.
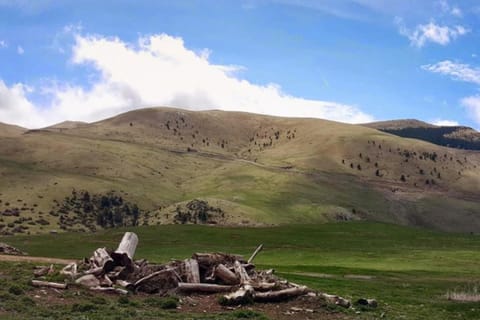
<point>272,296</point>
<point>224,274</point>
<point>38,283</point>
<point>264,286</point>
<point>102,259</point>
<point>41,271</point>
<point>126,250</point>
<point>203,287</point>
<point>192,271</point>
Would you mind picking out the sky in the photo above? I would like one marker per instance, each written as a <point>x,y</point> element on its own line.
<point>353,61</point>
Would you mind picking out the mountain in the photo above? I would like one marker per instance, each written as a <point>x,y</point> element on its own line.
<point>242,169</point>
<point>8,130</point>
<point>449,136</point>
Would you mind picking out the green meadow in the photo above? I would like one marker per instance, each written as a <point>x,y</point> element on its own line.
<point>409,271</point>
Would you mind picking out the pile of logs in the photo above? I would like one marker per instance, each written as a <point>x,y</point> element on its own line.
<point>232,275</point>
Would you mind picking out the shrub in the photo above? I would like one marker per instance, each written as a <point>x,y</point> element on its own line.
<point>16,290</point>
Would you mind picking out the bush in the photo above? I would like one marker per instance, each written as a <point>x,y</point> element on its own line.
<point>169,303</point>
<point>16,290</point>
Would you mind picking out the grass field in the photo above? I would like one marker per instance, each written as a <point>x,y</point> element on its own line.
<point>409,271</point>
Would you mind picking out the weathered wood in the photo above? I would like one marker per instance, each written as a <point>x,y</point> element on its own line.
<point>96,271</point>
<point>280,295</point>
<point>158,282</point>
<point>203,287</point>
<point>105,281</point>
<point>126,250</point>
<point>44,270</point>
<point>244,295</point>
<point>264,286</point>
<point>254,254</point>
<point>38,283</point>
<point>209,259</point>
<point>224,274</point>
<point>192,271</point>
<point>109,289</point>
<point>70,270</point>
<point>124,284</point>
<point>101,258</point>
<point>335,300</point>
<point>88,280</point>
<point>241,273</point>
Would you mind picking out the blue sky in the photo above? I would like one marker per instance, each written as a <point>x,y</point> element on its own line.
<point>345,60</point>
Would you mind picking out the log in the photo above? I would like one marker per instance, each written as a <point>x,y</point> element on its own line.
<point>124,284</point>
<point>264,286</point>
<point>254,254</point>
<point>335,300</point>
<point>44,270</point>
<point>210,259</point>
<point>192,271</point>
<point>224,274</point>
<point>272,296</point>
<point>241,273</point>
<point>38,283</point>
<point>88,281</point>
<point>158,282</point>
<point>95,271</point>
<point>244,295</point>
<point>203,287</point>
<point>102,259</point>
<point>126,250</point>
<point>109,289</point>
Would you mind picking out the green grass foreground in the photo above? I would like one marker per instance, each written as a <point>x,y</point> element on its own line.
<point>409,271</point>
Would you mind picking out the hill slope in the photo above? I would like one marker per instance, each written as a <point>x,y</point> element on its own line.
<point>449,136</point>
<point>251,169</point>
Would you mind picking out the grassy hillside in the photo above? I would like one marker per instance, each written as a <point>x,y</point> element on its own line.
<point>450,136</point>
<point>258,170</point>
<point>409,271</point>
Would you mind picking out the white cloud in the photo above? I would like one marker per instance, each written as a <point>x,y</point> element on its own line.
<point>160,70</point>
<point>20,50</point>
<point>446,8</point>
<point>472,104</point>
<point>430,32</point>
<point>3,44</point>
<point>16,108</point>
<point>458,71</point>
<point>444,123</point>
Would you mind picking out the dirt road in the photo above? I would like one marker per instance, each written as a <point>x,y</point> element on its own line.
<point>4,257</point>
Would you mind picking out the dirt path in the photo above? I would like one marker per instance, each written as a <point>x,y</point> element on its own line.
<point>12,258</point>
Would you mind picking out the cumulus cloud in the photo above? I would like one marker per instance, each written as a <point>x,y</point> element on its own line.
<point>20,50</point>
<point>15,106</point>
<point>430,32</point>
<point>3,44</point>
<point>444,123</point>
<point>472,104</point>
<point>458,71</point>
<point>160,70</point>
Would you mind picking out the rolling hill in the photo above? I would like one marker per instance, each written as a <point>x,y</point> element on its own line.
<point>246,169</point>
<point>449,136</point>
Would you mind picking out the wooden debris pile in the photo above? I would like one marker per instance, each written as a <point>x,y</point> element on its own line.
<point>8,249</point>
<point>232,275</point>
